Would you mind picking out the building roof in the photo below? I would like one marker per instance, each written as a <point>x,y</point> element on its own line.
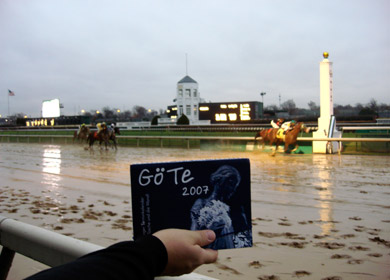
<point>187,79</point>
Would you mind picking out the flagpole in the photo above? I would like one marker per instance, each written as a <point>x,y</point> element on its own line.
<point>8,103</point>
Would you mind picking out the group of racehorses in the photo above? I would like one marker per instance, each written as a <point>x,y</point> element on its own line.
<point>267,135</point>
<point>106,134</point>
<point>276,136</point>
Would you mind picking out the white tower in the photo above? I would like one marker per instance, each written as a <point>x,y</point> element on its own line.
<point>326,121</point>
<point>187,99</point>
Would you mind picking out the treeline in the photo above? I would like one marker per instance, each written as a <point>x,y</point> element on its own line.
<point>371,109</point>
<point>138,113</point>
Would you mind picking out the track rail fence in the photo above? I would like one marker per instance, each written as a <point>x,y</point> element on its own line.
<point>68,139</point>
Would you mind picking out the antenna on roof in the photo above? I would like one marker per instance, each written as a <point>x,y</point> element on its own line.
<point>186,66</point>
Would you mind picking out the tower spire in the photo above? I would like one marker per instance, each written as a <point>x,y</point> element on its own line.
<point>186,64</point>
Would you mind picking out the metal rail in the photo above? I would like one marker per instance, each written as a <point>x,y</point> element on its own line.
<point>47,247</point>
<point>219,138</point>
<point>247,138</point>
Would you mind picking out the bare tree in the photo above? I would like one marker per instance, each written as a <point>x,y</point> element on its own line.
<point>373,105</point>
<point>139,112</point>
<point>359,106</point>
<point>313,106</point>
<point>289,106</point>
<point>126,115</point>
<point>271,107</point>
<point>108,113</point>
<point>383,107</point>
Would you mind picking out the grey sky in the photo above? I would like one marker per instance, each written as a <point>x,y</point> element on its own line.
<point>123,53</point>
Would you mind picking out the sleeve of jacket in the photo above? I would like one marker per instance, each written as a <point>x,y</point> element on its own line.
<point>143,259</point>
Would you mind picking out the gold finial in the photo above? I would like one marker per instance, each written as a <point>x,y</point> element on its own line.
<point>325,54</point>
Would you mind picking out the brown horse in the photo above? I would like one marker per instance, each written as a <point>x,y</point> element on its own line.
<point>106,135</point>
<point>290,138</point>
<point>267,135</point>
<point>81,134</point>
<point>100,136</point>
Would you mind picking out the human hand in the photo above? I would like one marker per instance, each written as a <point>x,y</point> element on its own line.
<point>185,252</point>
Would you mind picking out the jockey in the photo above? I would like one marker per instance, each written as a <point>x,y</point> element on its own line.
<point>80,128</point>
<point>278,123</point>
<point>288,126</point>
<point>99,127</point>
<point>111,128</point>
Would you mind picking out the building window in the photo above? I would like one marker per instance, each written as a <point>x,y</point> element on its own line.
<point>180,110</point>
<point>188,110</point>
<point>195,110</point>
<point>195,93</point>
<point>188,92</point>
<point>180,93</point>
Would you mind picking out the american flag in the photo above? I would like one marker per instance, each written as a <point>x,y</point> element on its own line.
<point>11,93</point>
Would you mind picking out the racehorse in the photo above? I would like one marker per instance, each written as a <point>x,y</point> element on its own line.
<point>106,134</point>
<point>100,136</point>
<point>81,134</point>
<point>290,138</point>
<point>112,135</point>
<point>266,135</point>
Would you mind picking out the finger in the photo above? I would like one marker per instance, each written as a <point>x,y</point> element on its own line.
<point>209,256</point>
<point>203,237</point>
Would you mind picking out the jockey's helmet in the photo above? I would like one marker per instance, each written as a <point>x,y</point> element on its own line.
<point>293,122</point>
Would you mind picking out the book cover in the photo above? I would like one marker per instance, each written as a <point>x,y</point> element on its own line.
<point>203,194</point>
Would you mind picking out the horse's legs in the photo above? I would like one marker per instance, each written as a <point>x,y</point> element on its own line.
<point>105,143</point>
<point>115,144</point>
<point>100,144</point>
<point>113,138</point>
<point>286,145</point>
<point>296,148</point>
<point>276,148</point>
<point>91,140</point>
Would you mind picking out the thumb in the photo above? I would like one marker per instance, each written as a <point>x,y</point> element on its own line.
<point>203,237</point>
<point>209,256</point>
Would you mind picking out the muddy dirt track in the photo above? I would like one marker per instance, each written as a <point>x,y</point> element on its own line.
<point>314,216</point>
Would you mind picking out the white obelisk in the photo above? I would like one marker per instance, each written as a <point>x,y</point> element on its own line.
<point>326,111</point>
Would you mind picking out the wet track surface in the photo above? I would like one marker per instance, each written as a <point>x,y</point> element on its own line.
<point>319,199</point>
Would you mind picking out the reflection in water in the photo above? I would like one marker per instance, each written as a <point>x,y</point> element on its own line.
<point>51,166</point>
<point>325,193</point>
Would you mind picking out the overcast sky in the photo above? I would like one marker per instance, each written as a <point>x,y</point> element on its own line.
<point>122,53</point>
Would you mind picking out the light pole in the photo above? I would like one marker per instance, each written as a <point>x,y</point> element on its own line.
<point>262,96</point>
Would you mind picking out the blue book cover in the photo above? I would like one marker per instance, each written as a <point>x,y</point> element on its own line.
<point>203,194</point>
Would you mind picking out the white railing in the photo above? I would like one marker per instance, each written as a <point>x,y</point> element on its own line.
<point>5,137</point>
<point>48,247</point>
<point>247,138</point>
